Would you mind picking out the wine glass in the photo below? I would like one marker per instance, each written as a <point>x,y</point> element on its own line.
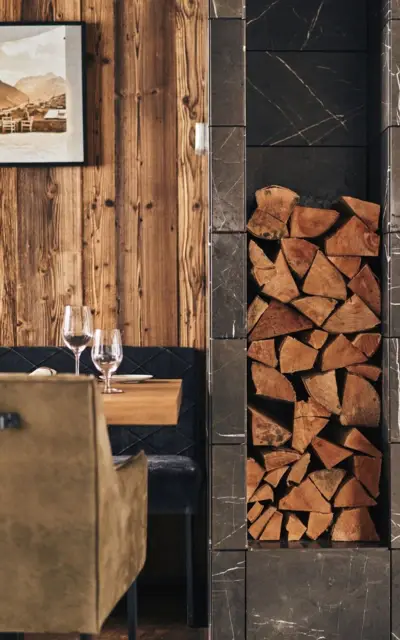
<point>77,330</point>
<point>107,355</point>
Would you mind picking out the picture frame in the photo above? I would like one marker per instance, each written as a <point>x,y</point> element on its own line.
<point>42,94</point>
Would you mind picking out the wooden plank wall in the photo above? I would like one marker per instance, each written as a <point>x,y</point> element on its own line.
<point>127,233</point>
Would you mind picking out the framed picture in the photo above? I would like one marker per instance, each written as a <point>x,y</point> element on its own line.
<point>42,94</point>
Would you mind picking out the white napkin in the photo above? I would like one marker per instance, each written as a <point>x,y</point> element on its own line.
<point>44,371</point>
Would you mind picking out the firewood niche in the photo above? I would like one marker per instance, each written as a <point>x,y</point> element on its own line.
<point>314,459</point>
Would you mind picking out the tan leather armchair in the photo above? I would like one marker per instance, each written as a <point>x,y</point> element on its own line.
<point>72,524</point>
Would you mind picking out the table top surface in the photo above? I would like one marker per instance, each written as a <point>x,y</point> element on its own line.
<point>154,402</point>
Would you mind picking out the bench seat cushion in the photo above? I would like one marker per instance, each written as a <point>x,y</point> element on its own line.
<point>174,484</point>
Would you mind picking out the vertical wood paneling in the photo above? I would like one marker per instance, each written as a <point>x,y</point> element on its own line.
<point>191,34</point>
<point>9,10</point>
<point>49,226</point>
<point>147,201</point>
<point>99,252</point>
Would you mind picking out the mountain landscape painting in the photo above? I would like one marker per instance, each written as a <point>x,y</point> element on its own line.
<point>41,102</point>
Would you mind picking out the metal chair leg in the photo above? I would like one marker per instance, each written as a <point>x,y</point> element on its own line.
<point>11,636</point>
<point>131,598</point>
<point>190,598</point>
<point>85,636</point>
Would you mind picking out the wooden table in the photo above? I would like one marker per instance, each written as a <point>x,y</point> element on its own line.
<point>154,402</point>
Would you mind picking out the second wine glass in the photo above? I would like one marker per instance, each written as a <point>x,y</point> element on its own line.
<point>77,330</point>
<point>107,355</point>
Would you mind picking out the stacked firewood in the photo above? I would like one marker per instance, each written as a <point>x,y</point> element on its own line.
<point>314,466</point>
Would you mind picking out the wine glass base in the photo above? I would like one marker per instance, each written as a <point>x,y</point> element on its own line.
<point>112,390</point>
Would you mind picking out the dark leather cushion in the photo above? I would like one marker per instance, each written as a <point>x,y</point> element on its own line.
<point>174,484</point>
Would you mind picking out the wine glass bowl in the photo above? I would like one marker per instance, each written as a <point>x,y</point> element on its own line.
<point>107,355</point>
<point>77,330</point>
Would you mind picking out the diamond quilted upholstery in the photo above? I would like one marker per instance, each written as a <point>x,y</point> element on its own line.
<point>186,439</point>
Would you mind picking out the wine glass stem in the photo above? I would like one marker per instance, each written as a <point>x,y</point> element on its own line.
<point>107,386</point>
<point>77,358</point>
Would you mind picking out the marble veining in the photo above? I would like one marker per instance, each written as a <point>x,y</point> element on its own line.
<point>227,174</point>
<point>227,77</point>
<point>228,391</point>
<point>228,595</point>
<point>229,530</point>
<point>229,305</point>
<point>227,8</point>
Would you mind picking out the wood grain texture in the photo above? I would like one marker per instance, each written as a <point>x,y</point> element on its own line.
<point>99,215</point>
<point>155,402</point>
<point>192,170</point>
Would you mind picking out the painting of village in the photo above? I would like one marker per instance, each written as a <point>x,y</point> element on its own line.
<point>41,94</point>
<point>32,80</point>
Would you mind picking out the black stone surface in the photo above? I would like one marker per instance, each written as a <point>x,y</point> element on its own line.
<point>395,495</point>
<point>318,594</point>
<point>390,9</point>
<point>391,285</point>
<point>228,390</point>
<point>228,595</point>
<point>395,557</point>
<point>319,175</point>
<point>229,517</point>
<point>306,25</point>
<point>390,97</point>
<point>227,8</point>
<point>306,99</point>
<point>229,285</point>
<point>391,389</point>
<point>227,72</point>
<point>228,175</point>
<point>391,179</point>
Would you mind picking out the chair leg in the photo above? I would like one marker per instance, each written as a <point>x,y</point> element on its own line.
<point>11,636</point>
<point>190,581</point>
<point>131,598</point>
<point>85,636</point>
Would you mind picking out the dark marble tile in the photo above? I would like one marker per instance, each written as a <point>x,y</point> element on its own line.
<point>227,72</point>
<point>229,285</point>
<point>390,9</point>
<point>329,594</point>
<point>306,99</point>
<point>395,557</point>
<point>228,177</point>
<point>391,179</point>
<point>299,25</point>
<point>228,595</point>
<point>390,60</point>
<point>391,285</point>
<point>227,8</point>
<point>391,389</point>
<point>228,390</point>
<point>385,179</point>
<point>229,530</point>
<point>319,175</point>
<point>395,495</point>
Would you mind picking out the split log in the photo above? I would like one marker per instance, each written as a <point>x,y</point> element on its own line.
<point>258,258</point>
<point>349,265</point>
<point>271,383</point>
<point>273,529</point>
<point>255,511</point>
<point>368,343</point>
<point>340,353</point>
<point>304,430</point>
<point>279,320</point>
<point>296,356</point>
<point>315,338</point>
<point>262,225</point>
<point>255,311</point>
<point>366,371</point>
<point>354,439</point>
<point>267,431</point>
<point>352,494</point>
<point>279,458</point>
<point>254,474</point>
<point>299,254</point>
<point>274,477</point>
<point>366,285</point>
<point>353,239</point>
<point>263,494</point>
<point>310,409</point>
<point>327,481</point>
<point>361,403</point>
<point>305,497</point>
<point>263,351</point>
<point>368,472</point>
<point>279,202</point>
<point>323,279</point>
<point>277,283</point>
<point>354,525</point>
<point>295,528</point>
<point>316,308</point>
<point>259,525</point>
<point>351,317</point>
<point>318,523</point>
<point>323,388</point>
<point>368,212</point>
<point>299,470</point>
<point>330,454</point>
<point>307,222</point>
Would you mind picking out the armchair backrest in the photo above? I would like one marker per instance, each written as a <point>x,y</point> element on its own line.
<point>50,499</point>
